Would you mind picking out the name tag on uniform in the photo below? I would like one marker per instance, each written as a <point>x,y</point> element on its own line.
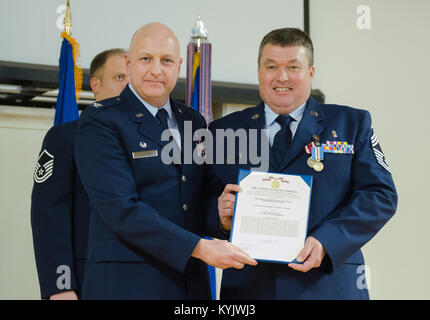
<point>144,154</point>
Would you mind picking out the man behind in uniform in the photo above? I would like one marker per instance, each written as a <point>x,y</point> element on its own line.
<point>59,204</point>
<point>145,237</point>
<point>353,193</point>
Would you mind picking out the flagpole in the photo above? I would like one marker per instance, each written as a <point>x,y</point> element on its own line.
<point>199,86</point>
<point>69,76</point>
<point>199,91</point>
<point>67,19</point>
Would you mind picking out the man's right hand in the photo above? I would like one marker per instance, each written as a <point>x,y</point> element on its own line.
<point>226,205</point>
<point>222,254</point>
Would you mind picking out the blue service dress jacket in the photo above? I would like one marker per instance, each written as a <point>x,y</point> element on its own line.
<point>146,215</point>
<point>59,214</point>
<point>351,200</point>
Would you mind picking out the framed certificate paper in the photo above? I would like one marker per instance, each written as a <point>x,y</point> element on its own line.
<point>271,215</point>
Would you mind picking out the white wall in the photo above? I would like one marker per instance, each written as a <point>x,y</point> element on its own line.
<point>29,28</point>
<point>385,70</point>
<point>21,134</point>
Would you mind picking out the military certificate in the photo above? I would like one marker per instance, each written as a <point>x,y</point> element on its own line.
<point>271,215</point>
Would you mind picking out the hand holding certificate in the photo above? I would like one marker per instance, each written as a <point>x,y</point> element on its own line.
<point>271,215</point>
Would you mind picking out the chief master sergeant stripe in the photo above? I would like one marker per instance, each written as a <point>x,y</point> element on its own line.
<point>379,155</point>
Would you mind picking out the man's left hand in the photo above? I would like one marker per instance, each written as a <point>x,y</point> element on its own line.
<point>312,254</point>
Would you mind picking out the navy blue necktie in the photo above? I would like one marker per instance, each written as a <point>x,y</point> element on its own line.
<point>282,138</point>
<point>162,118</point>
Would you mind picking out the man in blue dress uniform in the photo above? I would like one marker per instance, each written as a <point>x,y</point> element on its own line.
<point>353,194</point>
<point>146,227</point>
<point>59,205</point>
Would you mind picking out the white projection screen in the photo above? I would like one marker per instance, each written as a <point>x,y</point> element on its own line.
<point>29,32</point>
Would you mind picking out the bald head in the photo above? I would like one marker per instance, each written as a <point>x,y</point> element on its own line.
<point>154,63</point>
<point>153,30</point>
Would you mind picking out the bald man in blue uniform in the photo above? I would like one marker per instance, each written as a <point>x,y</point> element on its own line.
<point>147,223</point>
<point>59,204</point>
<point>353,194</point>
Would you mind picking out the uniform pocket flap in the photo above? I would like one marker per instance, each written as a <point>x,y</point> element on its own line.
<point>338,157</point>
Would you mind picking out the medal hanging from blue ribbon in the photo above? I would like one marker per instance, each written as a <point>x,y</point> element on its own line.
<point>318,153</point>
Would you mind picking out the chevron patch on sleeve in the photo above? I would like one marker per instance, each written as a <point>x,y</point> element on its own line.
<point>44,167</point>
<point>379,155</point>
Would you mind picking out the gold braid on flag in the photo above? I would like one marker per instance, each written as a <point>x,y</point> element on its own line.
<point>77,69</point>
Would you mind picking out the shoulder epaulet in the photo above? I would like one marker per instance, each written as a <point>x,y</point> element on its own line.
<point>106,103</point>
<point>182,107</point>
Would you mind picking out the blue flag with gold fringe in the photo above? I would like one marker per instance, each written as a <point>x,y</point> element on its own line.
<point>69,82</point>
